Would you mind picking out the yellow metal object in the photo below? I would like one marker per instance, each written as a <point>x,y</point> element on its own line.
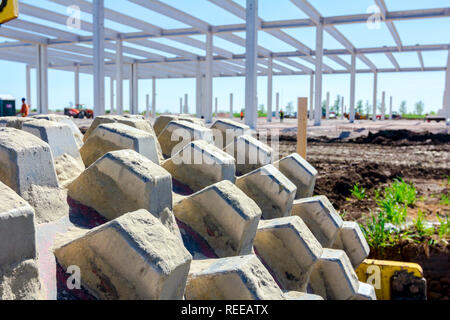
<point>379,273</point>
<point>9,10</point>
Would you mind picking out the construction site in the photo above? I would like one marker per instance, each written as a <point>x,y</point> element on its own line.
<point>260,199</point>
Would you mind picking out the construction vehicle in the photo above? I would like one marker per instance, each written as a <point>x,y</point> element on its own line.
<point>79,112</point>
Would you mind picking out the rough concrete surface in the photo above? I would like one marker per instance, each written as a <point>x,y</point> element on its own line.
<point>118,136</point>
<point>200,164</point>
<point>131,257</point>
<point>66,120</point>
<point>229,130</point>
<point>270,189</point>
<point>223,215</point>
<point>235,278</point>
<point>351,239</point>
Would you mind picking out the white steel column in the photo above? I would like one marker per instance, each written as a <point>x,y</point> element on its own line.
<point>342,107</point>
<point>203,110</point>
<point>77,85</point>
<point>209,78</point>
<point>119,77</point>
<point>269,89</point>
<point>111,94</point>
<point>198,87</point>
<point>99,57</point>
<point>154,98</point>
<point>42,79</point>
<point>216,106</point>
<point>390,108</point>
<point>181,105</point>
<point>446,105</point>
<point>186,108</point>
<point>147,106</point>
<point>383,105</point>
<point>231,106</point>
<point>327,111</point>
<point>277,106</point>
<point>319,64</point>
<point>374,107</point>
<point>251,57</point>
<point>352,89</point>
<point>28,81</point>
<point>311,97</point>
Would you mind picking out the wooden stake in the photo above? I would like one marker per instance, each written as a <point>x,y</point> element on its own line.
<point>302,116</point>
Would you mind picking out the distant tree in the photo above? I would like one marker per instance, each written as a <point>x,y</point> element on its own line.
<point>324,106</point>
<point>290,107</point>
<point>359,106</point>
<point>367,107</point>
<point>403,109</point>
<point>337,103</point>
<point>418,107</point>
<point>262,108</point>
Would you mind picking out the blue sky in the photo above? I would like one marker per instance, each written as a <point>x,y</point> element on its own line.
<point>412,87</point>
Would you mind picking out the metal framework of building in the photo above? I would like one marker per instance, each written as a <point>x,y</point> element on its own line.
<point>105,52</point>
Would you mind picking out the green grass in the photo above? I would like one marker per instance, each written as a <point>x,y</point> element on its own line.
<point>444,200</point>
<point>419,224</point>
<point>358,192</point>
<point>413,116</point>
<point>444,227</point>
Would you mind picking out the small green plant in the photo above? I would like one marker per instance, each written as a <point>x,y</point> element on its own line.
<point>401,192</point>
<point>420,225</point>
<point>444,200</point>
<point>444,226</point>
<point>375,231</point>
<point>358,192</point>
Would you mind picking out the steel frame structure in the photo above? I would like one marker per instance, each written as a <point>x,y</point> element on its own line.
<point>105,52</point>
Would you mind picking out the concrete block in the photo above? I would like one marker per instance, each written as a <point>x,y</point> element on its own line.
<point>333,277</point>
<point>288,249</point>
<point>365,292</point>
<point>300,172</point>
<point>200,164</point>
<point>163,120</point>
<point>21,281</point>
<point>234,278</point>
<point>270,189</point>
<point>320,217</point>
<point>17,232</point>
<point>351,239</point>
<point>228,131</point>
<point>66,120</point>
<point>222,215</point>
<point>57,135</point>
<point>124,181</point>
<point>132,257</point>
<point>177,134</point>
<point>250,154</point>
<point>27,167</point>
<point>14,122</point>
<point>118,136</point>
<point>98,121</point>
<point>297,295</point>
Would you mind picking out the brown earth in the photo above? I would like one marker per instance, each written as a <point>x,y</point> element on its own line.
<point>373,162</point>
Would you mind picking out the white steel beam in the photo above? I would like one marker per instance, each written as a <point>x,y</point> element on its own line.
<point>393,60</point>
<point>251,104</point>
<point>419,54</point>
<point>99,63</point>
<point>384,12</point>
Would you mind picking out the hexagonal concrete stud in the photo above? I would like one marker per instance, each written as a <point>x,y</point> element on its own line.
<point>59,136</point>
<point>66,120</point>
<point>17,231</point>
<point>351,239</point>
<point>235,278</point>
<point>132,257</point>
<point>288,249</point>
<point>300,172</point>
<point>365,292</point>
<point>228,131</point>
<point>118,136</point>
<point>177,134</point>
<point>27,167</point>
<point>223,216</point>
<point>333,277</point>
<point>320,217</point>
<point>124,181</point>
<point>297,295</point>
<point>200,164</point>
<point>14,122</point>
<point>270,189</point>
<point>250,154</point>
<point>163,120</point>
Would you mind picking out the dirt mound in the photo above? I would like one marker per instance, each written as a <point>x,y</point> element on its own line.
<point>403,138</point>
